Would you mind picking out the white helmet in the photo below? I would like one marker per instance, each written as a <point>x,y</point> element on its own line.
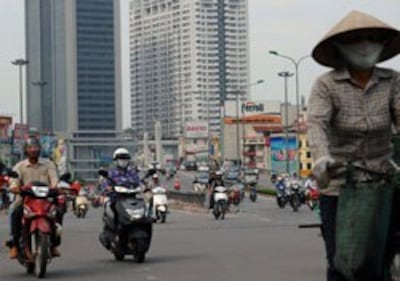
<point>122,157</point>
<point>121,153</point>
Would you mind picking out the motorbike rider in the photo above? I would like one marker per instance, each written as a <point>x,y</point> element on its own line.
<point>280,182</point>
<point>311,183</point>
<point>29,170</point>
<point>122,173</point>
<point>76,187</point>
<point>155,181</point>
<point>148,195</point>
<point>215,180</point>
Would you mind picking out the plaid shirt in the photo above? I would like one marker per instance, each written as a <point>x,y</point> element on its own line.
<point>354,124</point>
<point>122,176</point>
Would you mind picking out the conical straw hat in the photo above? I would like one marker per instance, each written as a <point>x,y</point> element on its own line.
<point>325,52</point>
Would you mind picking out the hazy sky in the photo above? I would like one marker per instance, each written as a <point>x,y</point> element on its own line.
<point>292,27</point>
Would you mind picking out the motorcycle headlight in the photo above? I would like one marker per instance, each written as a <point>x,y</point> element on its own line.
<point>136,213</point>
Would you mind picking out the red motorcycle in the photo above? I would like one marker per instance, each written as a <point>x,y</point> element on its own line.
<point>177,184</point>
<point>312,197</point>
<point>4,194</point>
<point>38,226</point>
<point>234,199</point>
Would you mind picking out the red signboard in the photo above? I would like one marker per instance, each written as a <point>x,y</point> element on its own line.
<point>267,142</point>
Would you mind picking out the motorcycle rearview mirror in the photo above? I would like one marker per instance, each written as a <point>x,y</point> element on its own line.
<point>65,177</point>
<point>12,174</point>
<point>103,173</point>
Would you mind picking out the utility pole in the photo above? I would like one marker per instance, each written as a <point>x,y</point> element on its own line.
<point>20,63</point>
<point>286,75</point>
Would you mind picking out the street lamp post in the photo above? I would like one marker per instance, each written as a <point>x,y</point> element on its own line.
<point>20,63</point>
<point>286,75</point>
<point>296,64</point>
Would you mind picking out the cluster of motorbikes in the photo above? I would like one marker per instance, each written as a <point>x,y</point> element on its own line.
<point>129,235</point>
<point>227,198</point>
<point>292,190</point>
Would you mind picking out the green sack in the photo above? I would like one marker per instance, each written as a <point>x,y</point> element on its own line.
<point>362,227</point>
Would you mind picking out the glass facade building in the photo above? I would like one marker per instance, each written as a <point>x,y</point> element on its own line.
<point>74,48</point>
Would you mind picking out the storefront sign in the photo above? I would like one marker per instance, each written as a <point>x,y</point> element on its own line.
<point>196,129</point>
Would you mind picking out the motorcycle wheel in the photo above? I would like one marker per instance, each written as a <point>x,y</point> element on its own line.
<point>222,210</point>
<point>42,254</point>
<point>311,204</point>
<point>163,217</point>
<point>118,256</point>
<point>216,214</point>
<point>295,202</point>
<point>140,251</point>
<point>253,196</point>
<point>30,267</point>
<point>281,202</point>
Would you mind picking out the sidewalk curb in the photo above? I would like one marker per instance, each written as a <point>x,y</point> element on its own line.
<point>177,205</point>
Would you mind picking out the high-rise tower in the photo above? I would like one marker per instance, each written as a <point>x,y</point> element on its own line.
<point>74,48</point>
<point>186,58</point>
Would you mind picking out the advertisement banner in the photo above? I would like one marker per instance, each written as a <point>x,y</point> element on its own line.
<point>251,108</point>
<point>281,155</point>
<point>3,132</point>
<point>48,144</point>
<point>20,131</point>
<point>196,129</point>
<point>60,156</point>
<point>5,123</point>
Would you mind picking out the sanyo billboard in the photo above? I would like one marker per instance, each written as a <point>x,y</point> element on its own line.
<point>249,108</point>
<point>196,129</point>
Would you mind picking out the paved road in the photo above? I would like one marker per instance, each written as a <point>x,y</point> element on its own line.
<point>261,242</point>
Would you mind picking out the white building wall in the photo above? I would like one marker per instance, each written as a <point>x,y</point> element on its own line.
<point>175,61</point>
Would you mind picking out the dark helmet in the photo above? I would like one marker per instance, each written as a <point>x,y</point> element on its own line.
<point>31,141</point>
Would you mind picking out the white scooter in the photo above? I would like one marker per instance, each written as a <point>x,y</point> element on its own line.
<point>160,204</point>
<point>81,204</point>
<point>220,202</point>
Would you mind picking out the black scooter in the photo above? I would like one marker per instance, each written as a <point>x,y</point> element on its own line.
<point>133,232</point>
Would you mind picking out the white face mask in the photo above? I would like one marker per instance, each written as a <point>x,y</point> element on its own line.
<point>362,55</point>
<point>123,163</point>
